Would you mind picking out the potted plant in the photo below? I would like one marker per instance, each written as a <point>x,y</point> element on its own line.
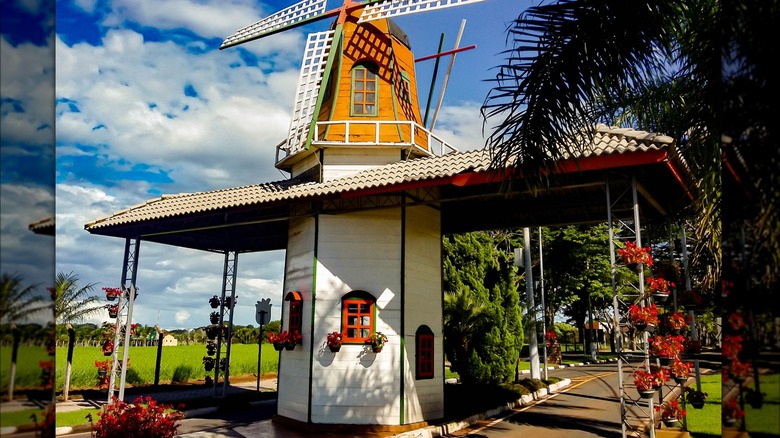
<point>659,287</point>
<point>113,310</point>
<point>211,348</point>
<point>212,331</point>
<point>671,412</point>
<point>284,340</point>
<point>108,347</point>
<point>695,397</point>
<point>738,370</point>
<point>731,412</point>
<point>377,341</point>
<point>644,380</point>
<point>674,322</point>
<point>660,376</point>
<point>112,293</point>
<point>230,302</point>
<point>208,363</point>
<point>755,398</point>
<point>214,302</point>
<point>103,367</point>
<point>633,255</point>
<point>643,317</point>
<point>680,370</point>
<point>334,341</point>
<point>214,317</point>
<point>666,347</point>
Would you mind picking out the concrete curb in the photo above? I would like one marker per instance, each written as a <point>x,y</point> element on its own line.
<point>446,429</point>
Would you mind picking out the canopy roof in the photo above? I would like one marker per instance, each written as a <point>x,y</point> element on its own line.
<point>471,194</point>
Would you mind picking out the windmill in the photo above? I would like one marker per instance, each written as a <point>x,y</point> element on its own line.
<point>356,88</point>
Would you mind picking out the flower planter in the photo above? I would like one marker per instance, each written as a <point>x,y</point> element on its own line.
<point>111,297</point>
<point>665,361</point>
<point>376,349</point>
<point>729,422</point>
<point>278,347</point>
<point>212,331</point>
<point>334,349</point>
<point>214,318</point>
<point>670,422</point>
<point>112,314</point>
<point>680,380</point>
<point>208,363</point>
<point>660,298</point>
<point>289,347</point>
<point>646,393</point>
<point>697,404</point>
<point>214,302</point>
<point>102,373</point>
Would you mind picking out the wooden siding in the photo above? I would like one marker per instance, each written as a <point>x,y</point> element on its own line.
<point>338,163</point>
<point>423,399</point>
<point>293,378</point>
<point>358,251</point>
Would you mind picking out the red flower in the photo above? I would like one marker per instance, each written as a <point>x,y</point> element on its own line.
<point>634,254</point>
<point>144,418</point>
<point>732,410</point>
<point>732,345</point>
<point>671,409</point>
<point>659,285</point>
<point>643,314</point>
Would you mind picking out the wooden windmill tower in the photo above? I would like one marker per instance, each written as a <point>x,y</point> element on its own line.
<point>359,270</point>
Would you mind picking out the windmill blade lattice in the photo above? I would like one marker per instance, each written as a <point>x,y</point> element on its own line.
<point>297,14</point>
<point>394,8</point>
<point>315,59</point>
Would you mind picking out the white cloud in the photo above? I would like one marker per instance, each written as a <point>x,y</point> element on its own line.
<point>182,316</point>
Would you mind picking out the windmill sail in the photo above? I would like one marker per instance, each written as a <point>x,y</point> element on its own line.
<point>296,15</point>
<point>394,8</point>
<point>314,61</point>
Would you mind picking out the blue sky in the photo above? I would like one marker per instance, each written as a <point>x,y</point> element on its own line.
<point>146,104</point>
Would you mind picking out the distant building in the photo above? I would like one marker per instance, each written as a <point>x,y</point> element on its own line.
<point>170,341</point>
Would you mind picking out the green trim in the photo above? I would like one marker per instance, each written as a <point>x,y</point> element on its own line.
<point>401,356</point>
<point>336,42</point>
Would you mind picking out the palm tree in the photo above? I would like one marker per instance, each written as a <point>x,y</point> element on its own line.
<point>73,303</point>
<point>695,70</point>
<point>17,303</point>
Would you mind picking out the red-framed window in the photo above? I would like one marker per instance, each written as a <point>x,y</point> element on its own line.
<point>424,349</point>
<point>357,318</point>
<point>295,312</point>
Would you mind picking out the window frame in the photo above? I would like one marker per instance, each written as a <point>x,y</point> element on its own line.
<point>365,67</point>
<point>359,298</point>
<point>424,342</point>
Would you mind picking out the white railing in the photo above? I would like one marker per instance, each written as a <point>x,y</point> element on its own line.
<point>351,133</point>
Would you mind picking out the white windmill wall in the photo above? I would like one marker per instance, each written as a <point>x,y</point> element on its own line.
<point>293,378</point>
<point>341,162</point>
<point>358,251</point>
<point>423,399</point>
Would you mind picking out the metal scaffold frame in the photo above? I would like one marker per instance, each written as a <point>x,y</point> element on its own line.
<point>228,287</point>
<point>122,329</point>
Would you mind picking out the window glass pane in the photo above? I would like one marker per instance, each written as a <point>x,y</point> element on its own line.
<point>352,320</point>
<point>351,332</point>
<point>358,109</point>
<point>352,307</point>
<point>365,308</point>
<point>364,333</point>
<point>370,75</point>
<point>365,320</point>
<point>359,73</point>
<point>370,97</point>
<point>371,86</point>
<point>359,85</point>
<point>369,109</point>
<point>359,97</point>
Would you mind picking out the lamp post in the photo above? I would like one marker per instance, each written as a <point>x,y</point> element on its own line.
<point>262,315</point>
<point>544,313</point>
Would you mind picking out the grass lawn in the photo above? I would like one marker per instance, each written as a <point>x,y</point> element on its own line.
<point>706,422</point>
<point>21,417</point>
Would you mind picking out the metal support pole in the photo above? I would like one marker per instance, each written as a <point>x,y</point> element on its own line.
<point>160,335</point>
<point>533,348</point>
<point>544,309</point>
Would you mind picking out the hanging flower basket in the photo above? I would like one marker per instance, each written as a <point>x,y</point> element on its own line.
<point>284,340</point>
<point>212,331</point>
<point>214,317</point>
<point>214,302</point>
<point>643,317</point>
<point>695,398</point>
<point>107,347</point>
<point>755,398</point>
<point>632,255</point>
<point>208,363</point>
<point>211,348</point>
<point>738,370</point>
<point>112,293</point>
<point>334,341</point>
<point>377,341</point>
<point>671,412</point>
<point>113,311</point>
<point>671,422</point>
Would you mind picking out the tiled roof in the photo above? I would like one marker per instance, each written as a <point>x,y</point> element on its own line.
<point>606,141</point>
<point>43,226</point>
